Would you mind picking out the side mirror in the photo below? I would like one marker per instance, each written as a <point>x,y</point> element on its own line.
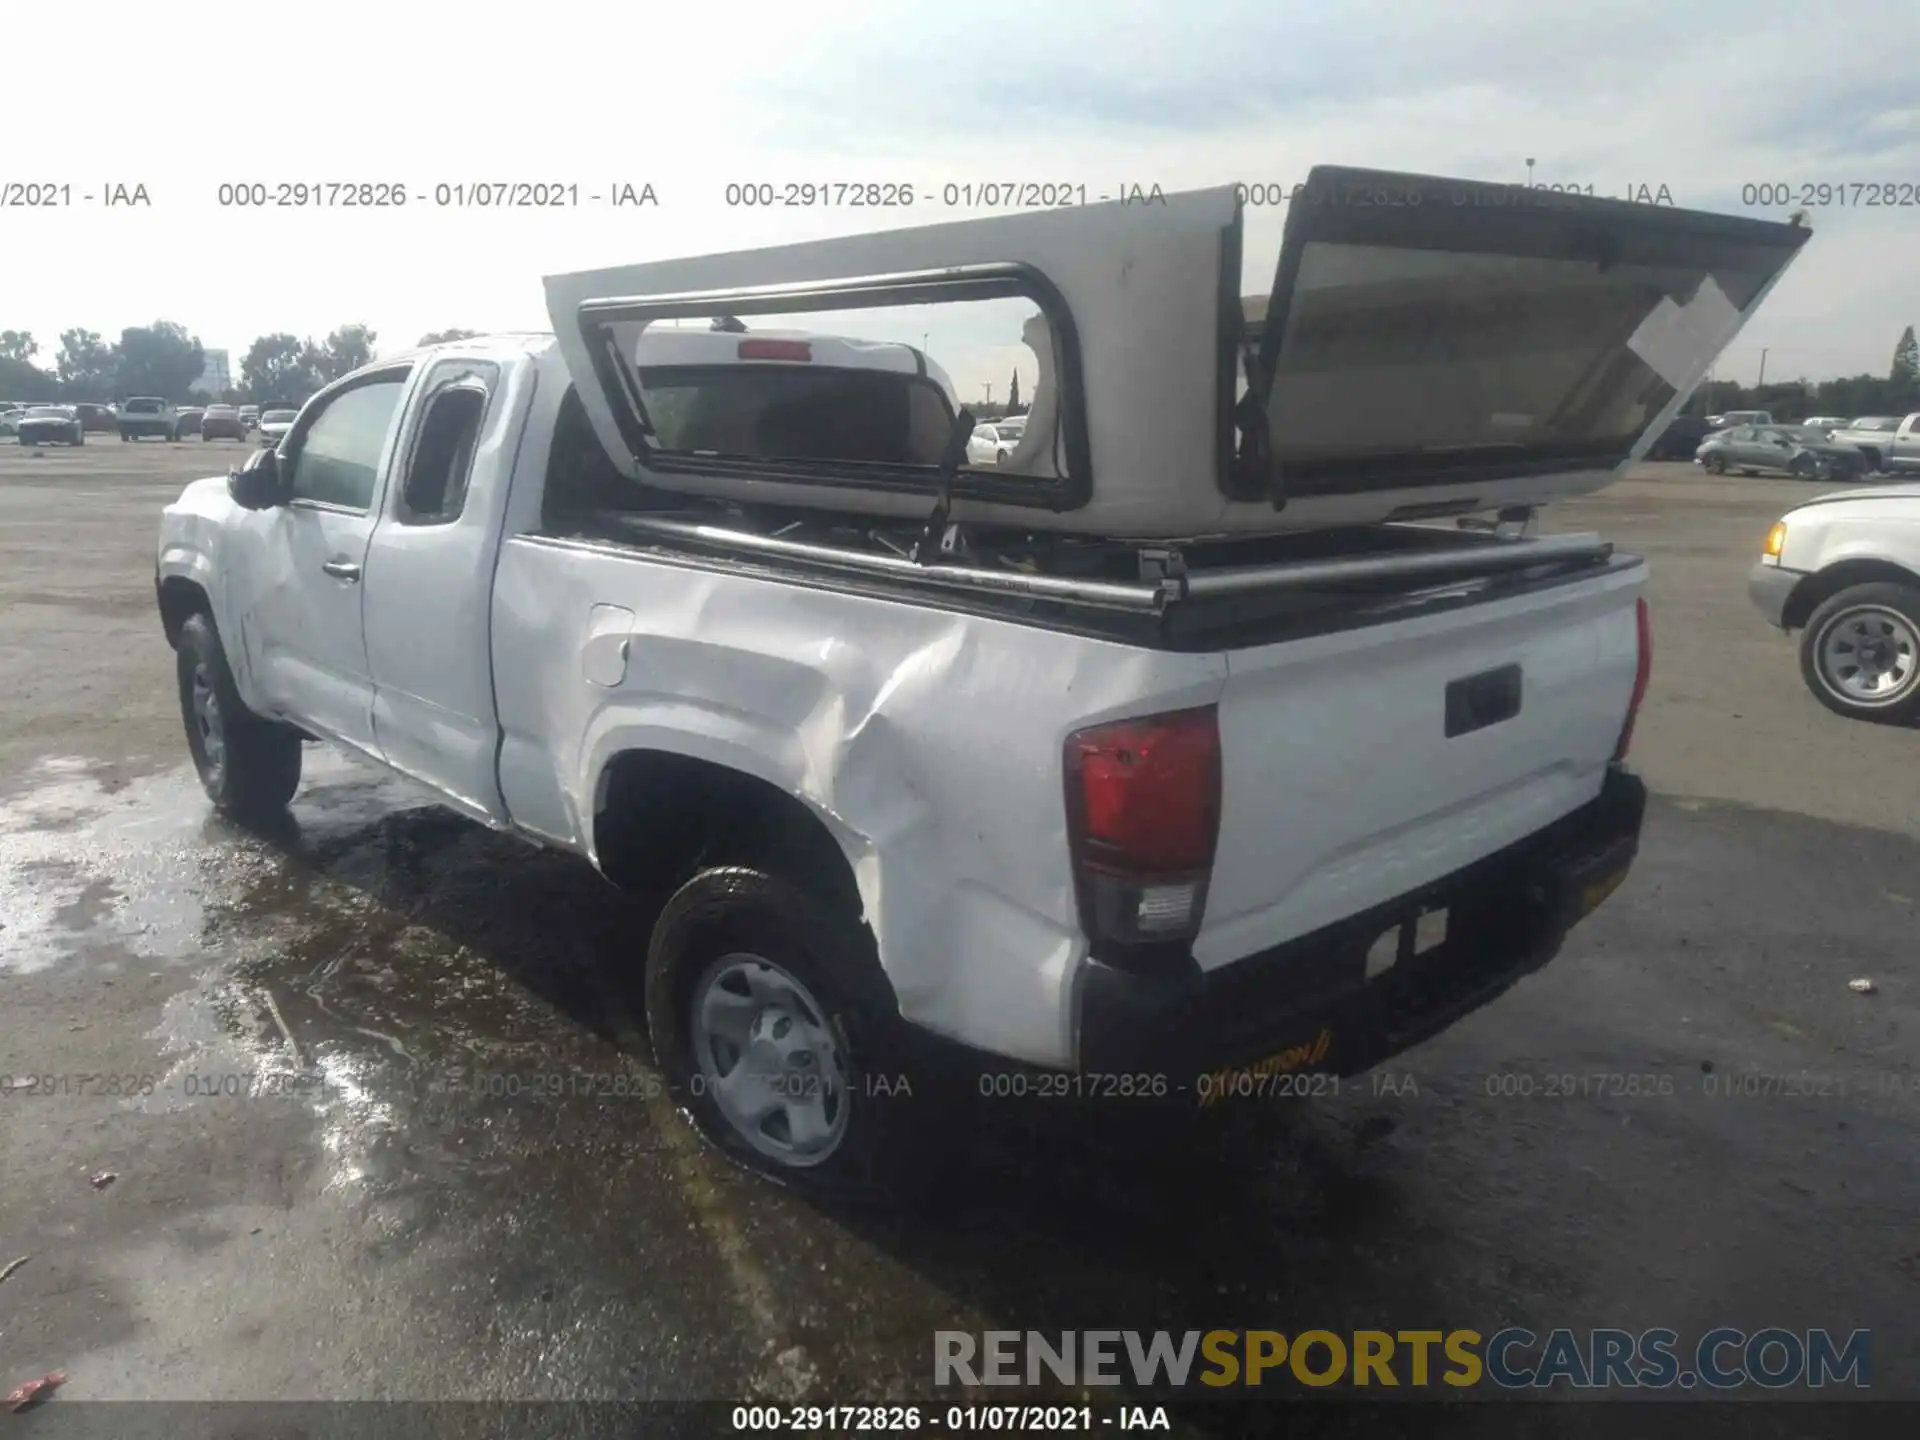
<point>257,484</point>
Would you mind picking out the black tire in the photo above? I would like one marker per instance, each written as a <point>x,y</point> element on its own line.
<point>258,767</point>
<point>1715,464</point>
<point>1859,605</point>
<point>1804,467</point>
<point>744,911</point>
<point>1870,461</point>
<point>126,438</point>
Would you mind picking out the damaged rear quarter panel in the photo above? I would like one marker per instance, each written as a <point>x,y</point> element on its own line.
<point>928,742</point>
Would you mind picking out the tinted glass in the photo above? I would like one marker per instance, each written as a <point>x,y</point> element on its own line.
<point>339,456</point>
<point>143,407</point>
<point>774,413</point>
<point>441,462</point>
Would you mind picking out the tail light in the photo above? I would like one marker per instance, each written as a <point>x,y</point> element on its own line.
<point>776,350</point>
<point>1143,816</point>
<point>1642,672</point>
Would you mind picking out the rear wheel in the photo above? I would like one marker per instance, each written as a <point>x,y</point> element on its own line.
<point>1860,652</point>
<point>248,766</point>
<point>777,1034</point>
<point>1804,467</point>
<point>1716,464</point>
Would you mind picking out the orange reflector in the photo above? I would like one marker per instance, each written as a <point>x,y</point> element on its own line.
<point>1777,539</point>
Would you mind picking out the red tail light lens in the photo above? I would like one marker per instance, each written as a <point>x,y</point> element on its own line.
<point>776,350</point>
<point>1143,816</point>
<point>1642,672</point>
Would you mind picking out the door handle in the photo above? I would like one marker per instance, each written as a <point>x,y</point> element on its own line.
<point>341,570</point>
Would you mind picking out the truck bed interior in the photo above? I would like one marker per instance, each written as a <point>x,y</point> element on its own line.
<point>1203,594</point>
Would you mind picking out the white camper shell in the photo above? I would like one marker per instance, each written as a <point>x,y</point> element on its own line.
<point>1429,347</point>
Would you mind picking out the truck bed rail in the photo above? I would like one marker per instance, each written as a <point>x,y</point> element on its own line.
<point>1469,553</point>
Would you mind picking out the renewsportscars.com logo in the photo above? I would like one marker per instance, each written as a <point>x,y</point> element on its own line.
<point>1509,1359</point>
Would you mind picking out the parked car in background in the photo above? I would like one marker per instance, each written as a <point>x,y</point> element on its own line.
<point>1889,442</point>
<point>98,418</point>
<point>274,424</point>
<point>1826,422</point>
<point>50,425</point>
<point>250,415</point>
<point>994,442</point>
<point>1681,439</point>
<point>186,421</point>
<point>1796,450</point>
<point>146,415</point>
<point>1844,570</point>
<point>1740,417</point>
<point>222,422</point>
<point>9,417</point>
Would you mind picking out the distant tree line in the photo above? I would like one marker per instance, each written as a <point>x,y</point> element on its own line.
<point>165,359</point>
<point>1897,393</point>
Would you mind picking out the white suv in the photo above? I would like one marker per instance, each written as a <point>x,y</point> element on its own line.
<point>147,415</point>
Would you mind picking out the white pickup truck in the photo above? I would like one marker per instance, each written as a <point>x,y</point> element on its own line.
<point>1844,570</point>
<point>1890,442</point>
<point>1104,779</point>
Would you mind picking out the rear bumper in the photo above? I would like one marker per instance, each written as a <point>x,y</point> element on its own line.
<point>1770,587</point>
<point>1308,1007</point>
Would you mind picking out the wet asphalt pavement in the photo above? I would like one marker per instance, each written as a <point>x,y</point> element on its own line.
<point>383,1124</point>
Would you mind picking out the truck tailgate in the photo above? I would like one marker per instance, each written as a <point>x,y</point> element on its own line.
<point>1351,776</point>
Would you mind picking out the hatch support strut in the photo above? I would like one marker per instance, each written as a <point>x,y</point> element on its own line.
<point>1253,462</point>
<point>938,536</point>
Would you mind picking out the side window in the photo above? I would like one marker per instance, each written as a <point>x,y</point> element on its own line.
<point>338,460</point>
<point>434,490</point>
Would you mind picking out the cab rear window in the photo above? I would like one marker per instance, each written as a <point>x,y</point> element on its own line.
<point>812,413</point>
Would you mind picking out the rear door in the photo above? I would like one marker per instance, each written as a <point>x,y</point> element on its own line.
<point>1905,450</point>
<point>1432,335</point>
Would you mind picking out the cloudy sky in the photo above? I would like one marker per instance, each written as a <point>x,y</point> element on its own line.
<point>1706,101</point>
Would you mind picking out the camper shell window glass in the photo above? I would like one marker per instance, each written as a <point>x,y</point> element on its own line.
<point>1434,334</point>
<point>858,384</point>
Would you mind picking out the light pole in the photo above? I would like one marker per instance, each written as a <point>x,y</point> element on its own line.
<point>1760,384</point>
<point>1529,174</point>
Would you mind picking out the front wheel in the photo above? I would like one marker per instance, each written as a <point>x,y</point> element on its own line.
<point>1860,652</point>
<point>776,1033</point>
<point>249,767</point>
<point>1715,464</point>
<point>1804,467</point>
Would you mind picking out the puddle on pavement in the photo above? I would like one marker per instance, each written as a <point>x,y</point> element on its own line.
<point>434,991</point>
<point>80,864</point>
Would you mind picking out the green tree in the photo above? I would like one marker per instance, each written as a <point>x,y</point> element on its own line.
<point>440,337</point>
<point>20,380</point>
<point>343,352</point>
<point>1906,358</point>
<point>86,365</point>
<point>280,367</point>
<point>1903,379</point>
<point>18,345</point>
<point>159,359</point>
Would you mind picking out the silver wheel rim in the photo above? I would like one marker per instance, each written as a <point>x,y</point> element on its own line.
<point>769,1059</point>
<point>207,720</point>
<point>1869,655</point>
